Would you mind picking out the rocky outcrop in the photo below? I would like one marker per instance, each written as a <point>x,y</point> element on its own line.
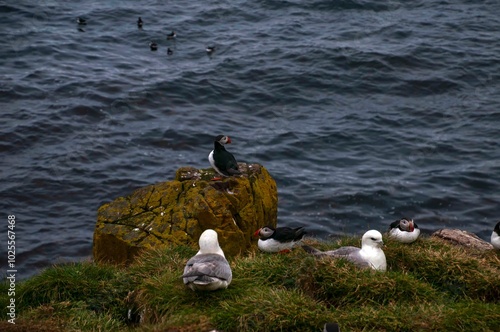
<point>463,238</point>
<point>178,211</point>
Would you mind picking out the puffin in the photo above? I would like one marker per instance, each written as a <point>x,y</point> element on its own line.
<point>370,255</point>
<point>139,23</point>
<point>81,21</point>
<point>404,230</point>
<point>169,51</point>
<point>221,160</point>
<point>210,49</point>
<point>495,236</point>
<point>171,35</point>
<point>208,270</point>
<point>280,239</point>
<point>153,46</point>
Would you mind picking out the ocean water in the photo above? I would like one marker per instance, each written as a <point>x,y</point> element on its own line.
<point>363,111</point>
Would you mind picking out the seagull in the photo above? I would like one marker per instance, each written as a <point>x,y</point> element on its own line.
<point>369,256</point>
<point>404,230</point>
<point>208,270</point>
<point>222,161</point>
<point>153,46</point>
<point>495,236</point>
<point>171,35</point>
<point>81,21</point>
<point>169,51</point>
<point>331,327</point>
<point>280,239</point>
<point>140,23</point>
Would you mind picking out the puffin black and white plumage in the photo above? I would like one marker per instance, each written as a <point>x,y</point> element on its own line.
<point>222,161</point>
<point>404,230</point>
<point>140,23</point>
<point>172,35</point>
<point>153,46</point>
<point>169,51</point>
<point>280,239</point>
<point>495,236</point>
<point>210,49</point>
<point>81,21</point>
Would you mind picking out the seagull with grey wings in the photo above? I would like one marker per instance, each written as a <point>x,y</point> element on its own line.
<point>208,270</point>
<point>370,255</point>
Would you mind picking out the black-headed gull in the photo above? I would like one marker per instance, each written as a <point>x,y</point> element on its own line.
<point>404,230</point>
<point>280,239</point>
<point>208,270</point>
<point>495,236</point>
<point>369,256</point>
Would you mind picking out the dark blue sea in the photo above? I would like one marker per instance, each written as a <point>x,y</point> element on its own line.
<point>363,111</point>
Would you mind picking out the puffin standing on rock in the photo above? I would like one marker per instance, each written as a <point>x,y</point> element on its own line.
<point>404,230</point>
<point>280,239</point>
<point>221,160</point>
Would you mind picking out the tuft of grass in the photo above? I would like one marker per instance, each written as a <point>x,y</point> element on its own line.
<point>339,283</point>
<point>459,272</point>
<point>99,286</point>
<point>430,285</point>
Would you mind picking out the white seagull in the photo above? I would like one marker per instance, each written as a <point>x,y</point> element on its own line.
<point>369,256</point>
<point>495,236</point>
<point>404,230</point>
<point>208,270</point>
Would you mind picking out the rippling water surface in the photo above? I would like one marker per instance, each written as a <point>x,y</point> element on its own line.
<point>363,111</point>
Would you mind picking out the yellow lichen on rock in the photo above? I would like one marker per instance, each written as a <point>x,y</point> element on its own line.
<point>178,211</point>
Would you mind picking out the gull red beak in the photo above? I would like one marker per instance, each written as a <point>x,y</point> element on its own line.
<point>256,234</point>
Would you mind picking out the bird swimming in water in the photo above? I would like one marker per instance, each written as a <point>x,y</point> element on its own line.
<point>139,23</point>
<point>169,51</point>
<point>171,35</point>
<point>153,46</point>
<point>81,21</point>
<point>210,49</point>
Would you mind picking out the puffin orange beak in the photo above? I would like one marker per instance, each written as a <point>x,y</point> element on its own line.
<point>228,140</point>
<point>411,226</point>
<point>256,234</point>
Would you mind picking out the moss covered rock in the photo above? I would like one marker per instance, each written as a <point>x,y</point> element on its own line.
<point>178,211</point>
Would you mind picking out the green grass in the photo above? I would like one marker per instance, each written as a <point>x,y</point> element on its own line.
<point>429,286</point>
